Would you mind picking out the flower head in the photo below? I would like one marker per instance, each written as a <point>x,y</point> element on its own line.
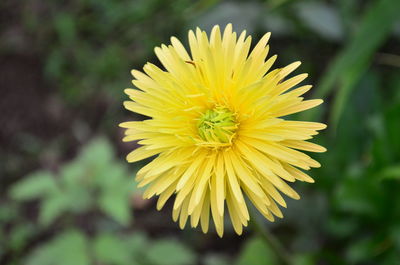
<point>216,126</point>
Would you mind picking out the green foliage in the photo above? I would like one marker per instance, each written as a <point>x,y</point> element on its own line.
<point>119,250</point>
<point>93,179</point>
<point>91,45</point>
<point>352,62</point>
<point>109,249</point>
<point>364,194</point>
<point>82,214</point>
<point>67,248</point>
<point>34,186</point>
<point>256,252</point>
<point>216,259</point>
<point>19,235</point>
<point>169,252</point>
<point>391,172</point>
<point>74,247</point>
<point>321,18</point>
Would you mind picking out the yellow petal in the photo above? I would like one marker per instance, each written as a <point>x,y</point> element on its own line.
<point>306,146</point>
<point>141,153</point>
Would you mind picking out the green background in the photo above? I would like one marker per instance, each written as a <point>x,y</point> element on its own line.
<point>67,196</point>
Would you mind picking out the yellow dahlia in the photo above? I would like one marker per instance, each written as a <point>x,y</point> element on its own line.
<point>216,126</point>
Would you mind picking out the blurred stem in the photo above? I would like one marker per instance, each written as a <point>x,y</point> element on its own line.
<point>271,240</point>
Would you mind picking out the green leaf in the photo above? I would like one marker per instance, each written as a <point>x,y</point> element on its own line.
<point>367,199</point>
<point>8,212</point>
<point>349,65</point>
<point>321,18</point>
<point>116,205</point>
<point>137,243</point>
<point>395,234</point>
<point>52,207</point>
<point>80,198</point>
<point>66,249</point>
<point>256,252</point>
<point>77,186</point>
<point>216,259</point>
<point>115,176</point>
<point>116,189</point>
<point>109,249</point>
<point>54,64</point>
<point>74,173</point>
<point>97,152</point>
<point>65,27</point>
<point>391,172</point>
<point>360,251</point>
<point>303,259</point>
<point>246,15</point>
<point>33,186</point>
<point>20,235</point>
<point>170,252</point>
<point>341,227</point>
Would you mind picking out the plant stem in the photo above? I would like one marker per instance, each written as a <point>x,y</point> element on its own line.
<point>271,240</point>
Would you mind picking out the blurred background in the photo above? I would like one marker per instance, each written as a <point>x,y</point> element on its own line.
<point>67,195</point>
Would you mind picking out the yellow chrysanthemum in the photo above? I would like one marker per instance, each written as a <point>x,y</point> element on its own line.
<point>216,126</point>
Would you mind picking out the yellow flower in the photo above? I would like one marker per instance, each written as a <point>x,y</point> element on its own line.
<point>217,128</point>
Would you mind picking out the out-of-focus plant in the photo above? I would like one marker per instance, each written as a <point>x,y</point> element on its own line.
<point>88,44</point>
<point>365,206</point>
<point>86,208</point>
<point>92,181</point>
<point>74,247</point>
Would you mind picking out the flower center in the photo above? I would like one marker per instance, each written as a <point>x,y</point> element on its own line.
<point>217,125</point>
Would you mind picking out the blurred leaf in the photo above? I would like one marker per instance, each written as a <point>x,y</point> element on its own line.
<point>52,207</point>
<point>395,234</point>
<point>54,64</point>
<point>114,197</point>
<point>109,63</point>
<point>348,12</point>
<point>137,243</point>
<point>114,176</point>
<point>116,205</point>
<point>74,173</point>
<point>109,249</point>
<point>97,152</point>
<point>80,198</point>
<point>68,248</point>
<point>277,24</point>
<point>169,252</point>
<point>353,60</point>
<point>8,212</point>
<point>278,3</point>
<point>303,259</point>
<point>341,227</point>
<point>360,251</point>
<point>216,259</point>
<point>65,27</point>
<point>322,18</point>
<point>20,235</point>
<point>392,127</point>
<point>256,252</point>
<point>392,172</point>
<point>245,16</point>
<point>203,5</point>
<point>33,186</point>
<point>352,140</point>
<point>78,184</point>
<point>367,200</point>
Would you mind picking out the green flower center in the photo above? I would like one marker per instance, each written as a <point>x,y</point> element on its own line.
<point>217,125</point>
